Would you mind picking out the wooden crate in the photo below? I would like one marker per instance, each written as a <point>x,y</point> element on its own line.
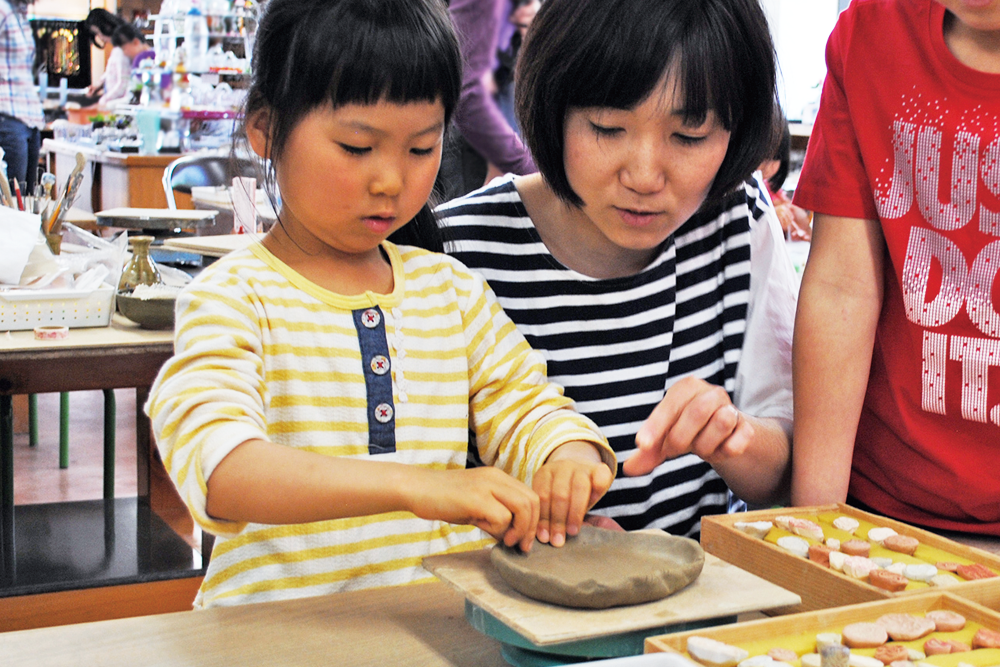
<point>821,587</point>
<point>798,631</point>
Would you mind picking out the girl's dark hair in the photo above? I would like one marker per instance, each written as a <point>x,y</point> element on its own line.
<point>124,34</point>
<point>313,52</point>
<point>104,21</point>
<point>614,53</point>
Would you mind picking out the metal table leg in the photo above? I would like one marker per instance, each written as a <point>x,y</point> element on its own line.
<point>109,444</point>
<point>64,430</point>
<point>7,451</point>
<point>32,420</point>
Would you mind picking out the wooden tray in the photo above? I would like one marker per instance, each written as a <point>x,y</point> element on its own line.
<point>721,590</point>
<point>796,631</point>
<point>821,587</point>
<point>211,246</point>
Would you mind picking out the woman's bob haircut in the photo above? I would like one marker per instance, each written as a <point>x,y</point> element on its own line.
<point>615,54</point>
<point>313,52</point>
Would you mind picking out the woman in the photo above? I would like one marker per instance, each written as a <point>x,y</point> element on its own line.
<point>643,261</point>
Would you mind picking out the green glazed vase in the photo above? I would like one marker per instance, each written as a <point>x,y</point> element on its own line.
<point>141,270</point>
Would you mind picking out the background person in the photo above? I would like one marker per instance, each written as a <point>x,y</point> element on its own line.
<point>116,81</point>
<point>21,115</point>
<point>482,144</point>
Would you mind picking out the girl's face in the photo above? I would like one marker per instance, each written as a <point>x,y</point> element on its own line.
<point>643,172</point>
<point>351,176</point>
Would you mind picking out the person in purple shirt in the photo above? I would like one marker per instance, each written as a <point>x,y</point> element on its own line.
<point>487,146</point>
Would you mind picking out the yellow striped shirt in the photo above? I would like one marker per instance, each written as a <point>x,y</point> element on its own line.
<point>262,353</point>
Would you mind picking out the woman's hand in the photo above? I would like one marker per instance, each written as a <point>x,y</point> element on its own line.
<point>694,417</point>
<point>487,498</point>
<point>573,478</point>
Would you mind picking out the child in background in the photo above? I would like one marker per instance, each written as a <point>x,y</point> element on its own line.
<point>317,411</point>
<point>897,336</point>
<point>128,43</point>
<point>795,221</point>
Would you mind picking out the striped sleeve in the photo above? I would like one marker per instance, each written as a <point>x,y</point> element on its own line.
<point>518,416</point>
<point>211,396</point>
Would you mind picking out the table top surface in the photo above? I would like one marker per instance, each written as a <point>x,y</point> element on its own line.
<point>121,333</point>
<point>410,625</point>
<point>211,246</point>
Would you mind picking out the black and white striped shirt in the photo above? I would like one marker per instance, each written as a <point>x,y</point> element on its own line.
<point>616,345</point>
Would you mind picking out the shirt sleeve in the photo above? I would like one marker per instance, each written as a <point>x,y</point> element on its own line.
<point>833,179</point>
<point>764,374</point>
<point>519,418</point>
<point>210,396</point>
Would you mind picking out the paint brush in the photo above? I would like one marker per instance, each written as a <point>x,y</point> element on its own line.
<point>60,209</point>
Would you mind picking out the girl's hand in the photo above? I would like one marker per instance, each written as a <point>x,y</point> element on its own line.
<point>572,479</point>
<point>694,417</point>
<point>487,498</point>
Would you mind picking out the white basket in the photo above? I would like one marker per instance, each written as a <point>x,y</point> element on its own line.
<point>27,309</point>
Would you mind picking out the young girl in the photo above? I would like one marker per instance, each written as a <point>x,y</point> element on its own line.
<point>317,412</point>
<point>644,261</point>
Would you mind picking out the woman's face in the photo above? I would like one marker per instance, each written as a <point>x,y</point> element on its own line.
<point>641,173</point>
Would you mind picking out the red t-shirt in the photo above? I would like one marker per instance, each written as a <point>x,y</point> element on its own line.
<point>909,135</point>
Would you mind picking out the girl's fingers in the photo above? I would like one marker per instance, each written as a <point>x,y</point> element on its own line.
<point>568,491</point>
<point>495,520</point>
<point>579,500</point>
<point>559,493</point>
<point>543,486</point>
<point>522,503</point>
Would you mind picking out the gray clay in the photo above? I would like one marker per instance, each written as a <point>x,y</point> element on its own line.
<point>602,568</point>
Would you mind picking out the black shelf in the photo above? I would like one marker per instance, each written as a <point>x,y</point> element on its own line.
<point>57,547</point>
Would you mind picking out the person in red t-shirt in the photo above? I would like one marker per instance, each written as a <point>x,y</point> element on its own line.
<point>897,335</point>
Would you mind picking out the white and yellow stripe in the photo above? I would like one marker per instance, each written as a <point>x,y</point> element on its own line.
<point>263,353</point>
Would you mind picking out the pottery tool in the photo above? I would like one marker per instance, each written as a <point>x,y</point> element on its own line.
<point>47,181</point>
<point>17,193</point>
<point>8,197</point>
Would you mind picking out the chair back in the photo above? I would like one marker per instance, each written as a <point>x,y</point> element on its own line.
<point>204,170</point>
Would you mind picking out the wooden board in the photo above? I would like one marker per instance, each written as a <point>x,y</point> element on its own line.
<point>819,586</point>
<point>154,218</point>
<point>720,590</point>
<point>211,246</point>
<point>828,620</point>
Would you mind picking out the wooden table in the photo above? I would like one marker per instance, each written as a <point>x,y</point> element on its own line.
<point>411,625</point>
<point>138,545</point>
<point>112,357</point>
